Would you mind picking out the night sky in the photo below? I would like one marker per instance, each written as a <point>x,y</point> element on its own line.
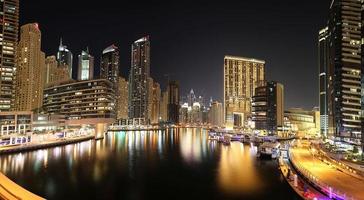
<point>189,39</point>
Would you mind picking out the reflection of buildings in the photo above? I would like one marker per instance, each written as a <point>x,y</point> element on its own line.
<point>241,77</point>
<point>236,172</point>
<point>268,107</point>
<point>302,121</point>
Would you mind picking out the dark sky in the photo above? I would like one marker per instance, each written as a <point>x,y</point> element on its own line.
<point>189,39</point>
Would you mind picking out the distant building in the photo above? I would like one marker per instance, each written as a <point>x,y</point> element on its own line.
<point>302,122</point>
<point>31,69</point>
<point>55,73</point>
<point>241,77</point>
<point>8,61</point>
<point>216,114</point>
<point>323,49</point>
<point>164,107</point>
<point>173,102</point>
<point>85,66</point>
<point>65,58</point>
<point>154,95</point>
<point>122,98</point>
<point>268,107</point>
<point>138,79</point>
<point>110,64</point>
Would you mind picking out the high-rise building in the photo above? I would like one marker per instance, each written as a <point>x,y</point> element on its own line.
<point>268,107</point>
<point>164,106</point>
<point>9,40</point>
<point>31,69</point>
<point>173,102</point>
<point>55,73</point>
<point>241,77</point>
<point>85,66</point>
<point>191,98</point>
<point>138,78</point>
<point>122,99</point>
<point>110,64</point>
<point>154,98</point>
<point>216,114</point>
<point>344,74</point>
<point>323,50</point>
<point>65,57</point>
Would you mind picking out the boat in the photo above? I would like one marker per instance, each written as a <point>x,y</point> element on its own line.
<point>227,140</point>
<point>245,139</point>
<point>269,149</point>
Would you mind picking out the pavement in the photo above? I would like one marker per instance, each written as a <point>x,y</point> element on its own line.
<point>327,175</point>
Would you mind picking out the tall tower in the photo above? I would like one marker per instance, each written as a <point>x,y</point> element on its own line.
<point>345,71</point>
<point>241,77</point>
<point>323,50</point>
<point>85,66</point>
<point>138,78</point>
<point>173,102</point>
<point>65,57</point>
<point>110,64</point>
<point>31,70</point>
<point>9,16</point>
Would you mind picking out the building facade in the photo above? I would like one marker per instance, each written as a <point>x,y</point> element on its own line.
<point>85,66</point>
<point>216,114</point>
<point>122,98</point>
<point>154,101</point>
<point>138,79</point>
<point>31,69</point>
<point>65,57</point>
<point>268,107</point>
<point>110,64</point>
<point>241,77</point>
<point>173,102</point>
<point>81,100</point>
<point>8,47</point>
<point>323,50</point>
<point>345,71</point>
<point>55,73</point>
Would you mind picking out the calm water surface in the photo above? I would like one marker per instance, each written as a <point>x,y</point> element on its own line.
<point>172,164</point>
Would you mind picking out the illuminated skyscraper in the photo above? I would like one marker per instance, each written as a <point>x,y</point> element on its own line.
<point>9,39</point>
<point>31,69</point>
<point>65,57</point>
<point>110,64</point>
<point>241,77</point>
<point>122,99</point>
<point>56,73</point>
<point>138,79</point>
<point>154,98</point>
<point>345,71</point>
<point>323,49</point>
<point>268,107</point>
<point>85,66</point>
<point>216,114</point>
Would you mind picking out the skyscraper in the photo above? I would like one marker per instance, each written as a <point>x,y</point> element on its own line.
<point>85,66</point>
<point>323,50</point>
<point>56,73</point>
<point>138,78</point>
<point>344,71</point>
<point>8,46</point>
<point>110,64</point>
<point>122,98</point>
<point>31,69</point>
<point>65,57</point>
<point>216,114</point>
<point>154,101</point>
<point>241,77</point>
<point>173,102</point>
<point>268,107</point>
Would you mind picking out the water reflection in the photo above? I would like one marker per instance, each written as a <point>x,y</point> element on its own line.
<point>133,165</point>
<point>237,170</point>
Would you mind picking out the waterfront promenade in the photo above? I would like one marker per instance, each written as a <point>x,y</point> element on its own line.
<point>44,144</point>
<point>326,176</point>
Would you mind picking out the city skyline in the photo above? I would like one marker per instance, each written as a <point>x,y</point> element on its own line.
<point>182,41</point>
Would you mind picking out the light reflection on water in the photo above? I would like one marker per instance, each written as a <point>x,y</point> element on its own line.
<point>126,164</point>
